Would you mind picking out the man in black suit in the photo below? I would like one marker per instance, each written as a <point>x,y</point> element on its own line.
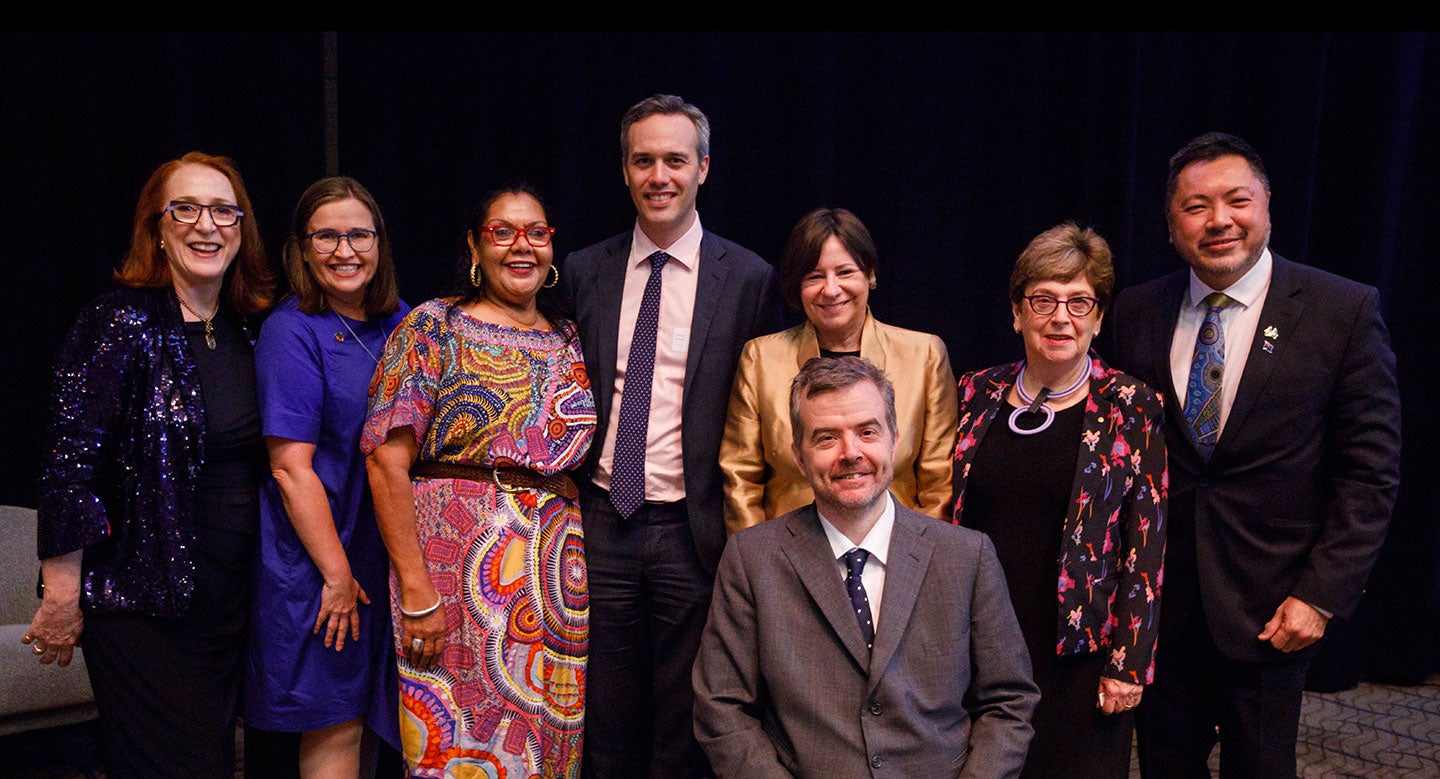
<point>663,311</point>
<point>1283,431</point>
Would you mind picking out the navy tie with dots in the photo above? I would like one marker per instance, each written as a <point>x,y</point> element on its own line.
<point>1207,374</point>
<point>627,470</point>
<point>855,565</point>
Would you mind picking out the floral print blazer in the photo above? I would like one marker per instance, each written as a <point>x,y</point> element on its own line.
<point>1113,545</point>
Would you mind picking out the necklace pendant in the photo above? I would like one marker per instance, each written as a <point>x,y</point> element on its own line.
<point>209,335</point>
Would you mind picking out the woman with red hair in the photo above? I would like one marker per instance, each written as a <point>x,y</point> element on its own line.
<point>148,510</point>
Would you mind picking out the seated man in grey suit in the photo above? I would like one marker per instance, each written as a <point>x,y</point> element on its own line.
<point>856,637</point>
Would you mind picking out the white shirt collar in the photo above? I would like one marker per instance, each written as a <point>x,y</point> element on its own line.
<point>1245,291</point>
<point>685,250</point>
<point>876,542</point>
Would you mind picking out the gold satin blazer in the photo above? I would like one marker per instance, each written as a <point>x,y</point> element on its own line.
<point>761,480</point>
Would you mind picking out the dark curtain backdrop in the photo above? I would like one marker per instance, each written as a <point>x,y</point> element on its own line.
<point>954,147</point>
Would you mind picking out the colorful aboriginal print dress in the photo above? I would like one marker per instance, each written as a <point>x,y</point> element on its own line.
<point>508,697</point>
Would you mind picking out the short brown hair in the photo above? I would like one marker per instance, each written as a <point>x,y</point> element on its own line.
<point>828,374</point>
<point>808,237</point>
<point>665,104</point>
<point>381,295</point>
<point>249,284</point>
<point>1060,254</point>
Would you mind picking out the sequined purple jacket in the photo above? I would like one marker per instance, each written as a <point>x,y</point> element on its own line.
<point>125,446</point>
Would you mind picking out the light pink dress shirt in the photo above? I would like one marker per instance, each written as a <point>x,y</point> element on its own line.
<point>664,464</point>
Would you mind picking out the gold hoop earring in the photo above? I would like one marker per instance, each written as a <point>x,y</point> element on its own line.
<point>557,277</point>
<point>476,279</point>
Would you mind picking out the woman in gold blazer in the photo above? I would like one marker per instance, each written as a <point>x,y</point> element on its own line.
<point>827,270</point>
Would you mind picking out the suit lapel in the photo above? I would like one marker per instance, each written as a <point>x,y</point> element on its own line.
<point>1282,310</point>
<point>1163,334</point>
<point>905,568</point>
<point>708,288</point>
<point>808,551</point>
<point>1172,297</point>
<point>610,288</point>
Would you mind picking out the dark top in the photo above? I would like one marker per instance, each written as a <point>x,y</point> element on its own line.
<point>234,453</point>
<point>1018,494</point>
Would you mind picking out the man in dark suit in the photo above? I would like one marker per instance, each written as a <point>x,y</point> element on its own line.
<point>663,312</point>
<point>856,637</point>
<point>1283,431</point>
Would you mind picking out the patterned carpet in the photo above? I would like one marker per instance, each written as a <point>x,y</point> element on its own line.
<point>1374,730</point>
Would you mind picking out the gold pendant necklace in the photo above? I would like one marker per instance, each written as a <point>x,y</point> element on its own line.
<point>209,321</point>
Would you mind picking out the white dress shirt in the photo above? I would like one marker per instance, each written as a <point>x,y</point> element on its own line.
<point>877,543</point>
<point>1238,322</point>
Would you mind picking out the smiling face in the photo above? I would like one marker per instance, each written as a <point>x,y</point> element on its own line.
<point>1219,219</point>
<point>1059,340</point>
<point>846,450</point>
<point>344,274</point>
<point>835,295</point>
<point>199,254</point>
<point>664,171</point>
<point>513,274</point>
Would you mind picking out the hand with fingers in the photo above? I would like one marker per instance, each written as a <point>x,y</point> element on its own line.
<point>422,635</point>
<point>340,611</point>
<point>1117,696</point>
<point>55,632</point>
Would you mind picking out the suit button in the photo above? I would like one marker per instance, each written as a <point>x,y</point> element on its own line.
<point>877,761</point>
<point>875,709</point>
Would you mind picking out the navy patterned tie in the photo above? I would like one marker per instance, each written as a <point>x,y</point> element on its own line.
<point>1207,373</point>
<point>627,470</point>
<point>855,565</point>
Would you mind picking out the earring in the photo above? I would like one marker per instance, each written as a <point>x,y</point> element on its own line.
<point>557,277</point>
<point>475,278</point>
<point>162,244</point>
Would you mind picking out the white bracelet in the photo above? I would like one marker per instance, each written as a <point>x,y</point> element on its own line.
<point>422,612</point>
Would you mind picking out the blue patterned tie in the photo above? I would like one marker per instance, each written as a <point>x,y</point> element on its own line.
<point>1207,373</point>
<point>627,470</point>
<point>855,565</point>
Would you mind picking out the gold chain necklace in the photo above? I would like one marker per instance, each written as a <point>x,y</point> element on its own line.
<point>209,321</point>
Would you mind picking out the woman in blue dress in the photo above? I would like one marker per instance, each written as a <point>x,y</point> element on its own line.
<point>319,660</point>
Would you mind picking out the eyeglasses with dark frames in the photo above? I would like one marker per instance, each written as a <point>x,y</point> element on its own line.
<point>1045,305</point>
<point>505,235</point>
<point>187,213</point>
<point>328,241</point>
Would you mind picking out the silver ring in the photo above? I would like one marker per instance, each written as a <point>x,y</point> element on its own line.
<point>417,644</point>
<point>39,650</point>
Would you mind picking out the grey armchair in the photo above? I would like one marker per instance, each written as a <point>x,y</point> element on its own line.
<point>32,696</point>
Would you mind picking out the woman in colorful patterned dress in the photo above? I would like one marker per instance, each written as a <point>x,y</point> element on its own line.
<point>481,405</point>
<point>1061,461</point>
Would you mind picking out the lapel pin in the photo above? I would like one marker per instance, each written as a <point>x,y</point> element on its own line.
<point>1269,347</point>
<point>339,337</point>
<point>1271,332</point>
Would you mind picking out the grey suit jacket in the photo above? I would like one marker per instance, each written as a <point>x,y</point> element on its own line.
<point>784,685</point>
<point>736,299</point>
<point>1296,497</point>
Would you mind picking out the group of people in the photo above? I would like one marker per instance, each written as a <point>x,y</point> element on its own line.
<point>606,513</point>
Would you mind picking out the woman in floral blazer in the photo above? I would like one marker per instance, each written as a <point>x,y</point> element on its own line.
<point>1071,487</point>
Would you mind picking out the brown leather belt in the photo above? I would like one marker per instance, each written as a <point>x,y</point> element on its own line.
<point>509,479</point>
